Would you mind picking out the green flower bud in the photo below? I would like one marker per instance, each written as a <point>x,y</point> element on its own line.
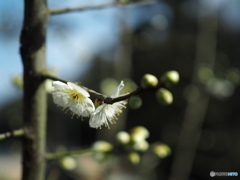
<point>135,102</point>
<point>123,137</point>
<point>162,150</point>
<point>164,96</point>
<point>68,163</point>
<point>170,78</point>
<point>134,157</point>
<point>102,146</point>
<point>139,133</point>
<point>149,80</point>
<point>18,81</point>
<point>141,145</point>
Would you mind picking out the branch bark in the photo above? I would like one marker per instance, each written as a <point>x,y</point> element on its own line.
<point>98,6</point>
<point>32,49</point>
<point>107,99</point>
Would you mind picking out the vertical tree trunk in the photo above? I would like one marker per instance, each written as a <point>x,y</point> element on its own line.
<point>32,50</point>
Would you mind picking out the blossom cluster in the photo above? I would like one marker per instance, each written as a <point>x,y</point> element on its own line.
<point>73,97</point>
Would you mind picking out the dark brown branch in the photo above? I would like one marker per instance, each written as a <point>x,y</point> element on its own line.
<point>107,99</point>
<point>15,133</point>
<point>99,6</point>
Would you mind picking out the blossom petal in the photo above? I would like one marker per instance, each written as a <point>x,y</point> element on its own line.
<point>96,121</point>
<point>59,85</point>
<point>60,99</point>
<point>78,88</point>
<point>117,90</point>
<point>84,108</point>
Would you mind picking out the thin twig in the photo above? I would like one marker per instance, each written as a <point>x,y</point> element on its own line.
<point>99,6</point>
<point>15,133</point>
<point>107,99</point>
<point>58,155</point>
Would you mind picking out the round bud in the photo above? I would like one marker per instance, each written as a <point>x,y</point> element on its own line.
<point>102,146</point>
<point>139,133</point>
<point>170,78</point>
<point>149,80</point>
<point>68,163</point>
<point>123,137</point>
<point>135,102</point>
<point>164,96</point>
<point>141,145</point>
<point>162,150</point>
<point>134,157</point>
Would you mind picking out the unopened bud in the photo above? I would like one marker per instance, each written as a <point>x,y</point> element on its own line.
<point>18,81</point>
<point>170,78</point>
<point>139,133</point>
<point>141,145</point>
<point>149,80</point>
<point>135,102</point>
<point>164,96</point>
<point>123,137</point>
<point>134,157</point>
<point>68,163</point>
<point>102,146</point>
<point>162,150</point>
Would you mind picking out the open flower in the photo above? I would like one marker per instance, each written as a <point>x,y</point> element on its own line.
<point>73,97</point>
<point>106,113</point>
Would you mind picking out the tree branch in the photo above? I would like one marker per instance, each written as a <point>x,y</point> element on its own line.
<point>57,155</point>
<point>107,99</point>
<point>15,133</point>
<point>99,6</point>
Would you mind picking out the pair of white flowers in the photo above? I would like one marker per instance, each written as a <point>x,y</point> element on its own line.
<point>77,100</point>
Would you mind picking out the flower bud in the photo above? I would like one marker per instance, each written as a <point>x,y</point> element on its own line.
<point>162,150</point>
<point>149,80</point>
<point>139,133</point>
<point>164,96</point>
<point>170,78</point>
<point>123,137</point>
<point>18,81</point>
<point>141,145</point>
<point>134,157</point>
<point>102,146</point>
<point>68,163</point>
<point>135,102</point>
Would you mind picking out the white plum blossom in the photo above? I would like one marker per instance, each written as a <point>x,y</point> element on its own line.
<point>73,97</point>
<point>106,113</point>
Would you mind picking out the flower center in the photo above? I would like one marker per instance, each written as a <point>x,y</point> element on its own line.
<point>76,96</point>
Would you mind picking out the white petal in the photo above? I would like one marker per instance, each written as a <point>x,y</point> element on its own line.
<point>117,90</point>
<point>59,85</point>
<point>82,108</point>
<point>60,99</point>
<point>78,88</point>
<point>97,119</point>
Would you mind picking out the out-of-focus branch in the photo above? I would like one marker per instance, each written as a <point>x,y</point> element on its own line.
<point>58,155</point>
<point>98,6</point>
<point>107,99</point>
<point>15,133</point>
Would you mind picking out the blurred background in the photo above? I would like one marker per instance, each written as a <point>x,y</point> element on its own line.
<point>198,38</point>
